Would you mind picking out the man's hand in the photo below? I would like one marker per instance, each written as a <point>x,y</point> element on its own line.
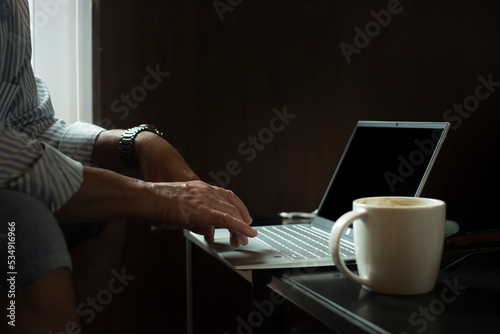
<point>200,207</point>
<point>193,205</point>
<point>159,161</point>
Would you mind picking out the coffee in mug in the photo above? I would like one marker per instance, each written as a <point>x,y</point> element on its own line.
<point>398,243</point>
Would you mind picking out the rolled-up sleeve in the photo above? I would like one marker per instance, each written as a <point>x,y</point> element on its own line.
<point>38,169</point>
<point>74,140</point>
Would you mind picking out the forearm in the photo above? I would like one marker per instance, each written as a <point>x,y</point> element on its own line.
<point>106,195</point>
<point>107,156</point>
<point>157,159</point>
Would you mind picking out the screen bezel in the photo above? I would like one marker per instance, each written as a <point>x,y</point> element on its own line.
<point>326,224</point>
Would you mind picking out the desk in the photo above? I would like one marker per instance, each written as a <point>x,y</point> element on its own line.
<point>466,300</point>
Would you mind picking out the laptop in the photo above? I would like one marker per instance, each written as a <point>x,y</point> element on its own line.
<point>380,159</point>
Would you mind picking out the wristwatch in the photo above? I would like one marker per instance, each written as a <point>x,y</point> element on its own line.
<point>126,146</point>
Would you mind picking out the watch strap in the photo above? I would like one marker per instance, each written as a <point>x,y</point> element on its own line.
<point>126,146</point>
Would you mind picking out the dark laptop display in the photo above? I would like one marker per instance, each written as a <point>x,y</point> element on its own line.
<point>386,160</point>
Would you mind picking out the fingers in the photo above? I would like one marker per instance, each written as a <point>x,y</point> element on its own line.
<point>209,234</point>
<point>227,201</point>
<point>236,201</point>
<point>242,239</point>
<point>223,219</point>
<point>237,239</point>
<point>226,210</point>
<point>233,239</point>
<point>198,205</point>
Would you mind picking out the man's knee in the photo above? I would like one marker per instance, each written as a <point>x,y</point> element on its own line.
<point>29,227</point>
<point>20,207</point>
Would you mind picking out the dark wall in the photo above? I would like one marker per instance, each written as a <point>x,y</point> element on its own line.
<point>232,69</point>
<point>226,77</point>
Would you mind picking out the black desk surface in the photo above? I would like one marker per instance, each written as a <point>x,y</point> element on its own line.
<point>465,300</point>
<point>460,303</point>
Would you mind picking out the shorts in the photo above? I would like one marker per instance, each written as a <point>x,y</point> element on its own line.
<point>32,241</point>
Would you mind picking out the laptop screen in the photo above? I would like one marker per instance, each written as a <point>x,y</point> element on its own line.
<point>381,159</point>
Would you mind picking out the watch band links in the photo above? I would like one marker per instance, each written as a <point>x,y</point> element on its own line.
<point>126,146</point>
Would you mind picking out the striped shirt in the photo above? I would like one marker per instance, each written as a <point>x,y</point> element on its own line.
<point>39,154</point>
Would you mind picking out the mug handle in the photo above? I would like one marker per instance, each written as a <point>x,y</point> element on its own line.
<point>335,235</point>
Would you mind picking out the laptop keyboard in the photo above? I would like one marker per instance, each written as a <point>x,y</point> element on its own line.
<point>297,242</point>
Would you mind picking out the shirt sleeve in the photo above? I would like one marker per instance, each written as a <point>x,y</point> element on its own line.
<point>33,167</point>
<point>74,140</point>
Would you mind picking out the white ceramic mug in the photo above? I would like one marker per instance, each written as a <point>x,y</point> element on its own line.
<point>398,242</point>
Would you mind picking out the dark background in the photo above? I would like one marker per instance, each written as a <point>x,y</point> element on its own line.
<point>226,77</point>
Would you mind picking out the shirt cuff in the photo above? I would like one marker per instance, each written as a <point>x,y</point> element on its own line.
<point>78,141</point>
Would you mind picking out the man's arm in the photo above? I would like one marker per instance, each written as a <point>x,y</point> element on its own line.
<point>158,160</point>
<point>37,169</point>
<point>194,205</point>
